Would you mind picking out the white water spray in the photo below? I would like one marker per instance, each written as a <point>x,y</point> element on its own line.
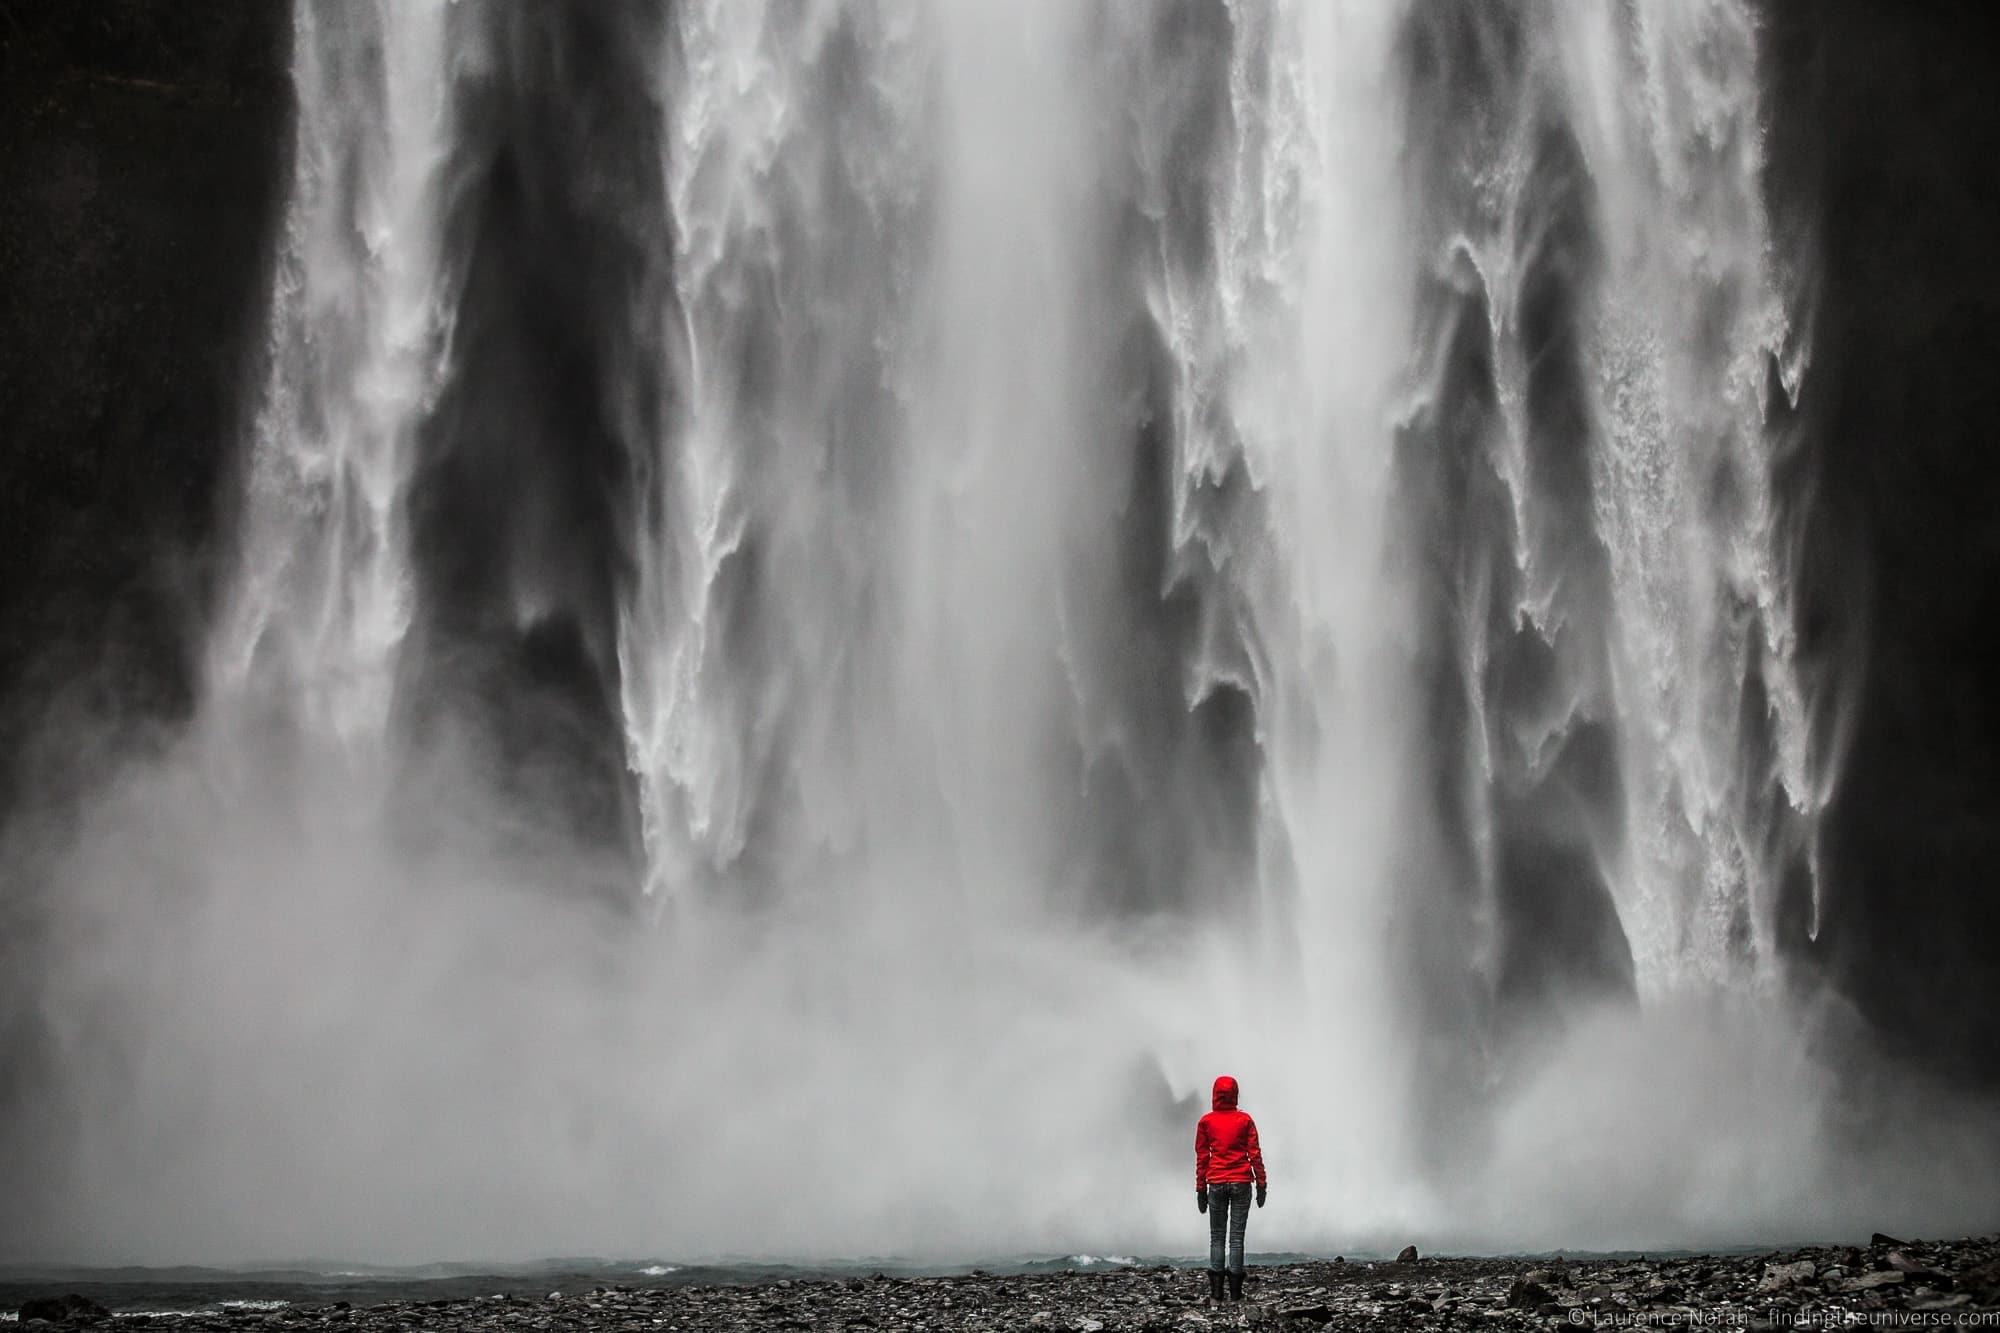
<point>359,326</point>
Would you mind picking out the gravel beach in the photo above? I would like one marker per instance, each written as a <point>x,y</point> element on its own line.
<point>1887,1282</point>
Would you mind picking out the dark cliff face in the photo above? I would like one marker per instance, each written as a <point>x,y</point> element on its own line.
<point>142,150</point>
<point>1884,137</point>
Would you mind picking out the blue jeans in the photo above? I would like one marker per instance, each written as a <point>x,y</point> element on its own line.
<point>1228,1206</point>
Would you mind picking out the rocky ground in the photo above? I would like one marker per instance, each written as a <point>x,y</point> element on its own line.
<point>1888,1282</point>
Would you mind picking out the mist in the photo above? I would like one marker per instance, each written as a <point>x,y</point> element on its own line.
<point>303,1025</point>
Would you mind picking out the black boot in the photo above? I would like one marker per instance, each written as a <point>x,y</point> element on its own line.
<point>1235,1286</point>
<point>1214,1285</point>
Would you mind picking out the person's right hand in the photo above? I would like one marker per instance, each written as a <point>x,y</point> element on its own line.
<point>1201,1201</point>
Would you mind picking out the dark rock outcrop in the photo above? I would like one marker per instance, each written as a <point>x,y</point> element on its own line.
<point>145,149</point>
<point>1525,1293</point>
<point>70,1309</point>
<point>1891,491</point>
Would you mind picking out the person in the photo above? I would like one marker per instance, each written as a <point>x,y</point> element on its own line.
<point>1227,1159</point>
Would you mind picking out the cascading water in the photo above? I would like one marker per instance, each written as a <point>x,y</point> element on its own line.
<point>747,640</point>
<point>1690,339</point>
<point>359,325</point>
<point>930,575</point>
<point>1628,695</point>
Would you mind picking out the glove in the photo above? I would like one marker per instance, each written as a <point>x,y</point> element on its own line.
<point>1201,1201</point>
<point>1260,1196</point>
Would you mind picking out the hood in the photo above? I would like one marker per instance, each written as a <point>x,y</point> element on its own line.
<point>1225,1094</point>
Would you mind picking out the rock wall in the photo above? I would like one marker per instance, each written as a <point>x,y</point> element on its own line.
<point>144,152</point>
<point>1883,137</point>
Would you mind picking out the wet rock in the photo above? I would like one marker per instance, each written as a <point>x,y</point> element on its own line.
<point>1885,1277</point>
<point>1879,1239</point>
<point>1407,1255</point>
<point>1524,1294</point>
<point>1916,1270</point>
<point>1777,1277</point>
<point>1439,1296</point>
<point>1983,1281</point>
<point>1946,1302</point>
<point>71,1308</point>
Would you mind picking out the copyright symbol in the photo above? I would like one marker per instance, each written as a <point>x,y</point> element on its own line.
<point>1577,1318</point>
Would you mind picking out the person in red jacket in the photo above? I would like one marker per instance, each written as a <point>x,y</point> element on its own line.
<point>1226,1161</point>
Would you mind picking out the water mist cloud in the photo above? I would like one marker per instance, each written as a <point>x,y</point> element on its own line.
<point>293,1029</point>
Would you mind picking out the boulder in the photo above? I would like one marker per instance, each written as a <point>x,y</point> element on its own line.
<point>1887,1277</point>
<point>71,1308</point>
<point>1983,1281</point>
<point>1779,1276</point>
<point>1407,1255</point>
<point>1525,1294</point>
<point>1917,1270</point>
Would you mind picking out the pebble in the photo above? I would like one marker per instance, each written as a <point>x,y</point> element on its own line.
<point>1825,1285</point>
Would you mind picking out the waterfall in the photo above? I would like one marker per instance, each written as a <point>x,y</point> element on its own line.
<point>931,575</point>
<point>1691,340</point>
<point>842,480</point>
<point>359,323</point>
<point>1617,685</point>
<point>746,648</point>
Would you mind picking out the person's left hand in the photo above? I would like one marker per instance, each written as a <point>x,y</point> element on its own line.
<point>1260,1196</point>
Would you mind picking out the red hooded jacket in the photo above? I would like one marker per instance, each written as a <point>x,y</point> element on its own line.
<point>1225,1142</point>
